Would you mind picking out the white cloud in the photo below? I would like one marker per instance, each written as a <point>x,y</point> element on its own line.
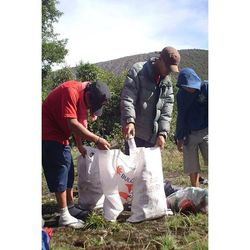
<point>104,30</point>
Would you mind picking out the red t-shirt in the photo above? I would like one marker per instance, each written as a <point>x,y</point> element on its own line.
<point>65,101</point>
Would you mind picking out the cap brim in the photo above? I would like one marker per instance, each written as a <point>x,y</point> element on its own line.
<point>98,112</point>
<point>174,68</point>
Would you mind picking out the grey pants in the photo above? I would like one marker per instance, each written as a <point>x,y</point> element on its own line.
<point>197,141</point>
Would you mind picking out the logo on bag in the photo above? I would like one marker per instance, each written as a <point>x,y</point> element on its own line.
<point>125,184</point>
<point>125,195</point>
<point>119,170</point>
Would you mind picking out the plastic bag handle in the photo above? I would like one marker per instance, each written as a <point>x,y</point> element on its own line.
<point>131,143</point>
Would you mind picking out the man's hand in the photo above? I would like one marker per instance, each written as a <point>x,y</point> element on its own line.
<point>79,145</point>
<point>160,141</point>
<point>128,130</point>
<point>80,131</point>
<point>83,151</point>
<point>180,145</point>
<point>101,143</point>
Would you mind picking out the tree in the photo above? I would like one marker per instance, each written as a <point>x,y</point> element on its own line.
<point>54,78</point>
<point>53,49</point>
<point>87,72</point>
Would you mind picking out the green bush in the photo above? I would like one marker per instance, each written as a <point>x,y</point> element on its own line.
<point>54,78</point>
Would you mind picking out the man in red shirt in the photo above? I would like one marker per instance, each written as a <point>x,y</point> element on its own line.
<point>65,113</point>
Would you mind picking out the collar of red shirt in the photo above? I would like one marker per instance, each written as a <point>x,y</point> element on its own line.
<point>157,79</point>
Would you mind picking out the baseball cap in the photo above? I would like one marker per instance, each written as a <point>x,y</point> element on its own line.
<point>171,57</point>
<point>99,94</point>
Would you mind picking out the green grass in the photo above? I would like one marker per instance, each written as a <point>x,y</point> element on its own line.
<point>171,232</point>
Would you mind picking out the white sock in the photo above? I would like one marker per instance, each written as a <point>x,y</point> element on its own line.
<point>65,217</point>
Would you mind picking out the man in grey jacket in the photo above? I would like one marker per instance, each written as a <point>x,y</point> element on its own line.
<point>147,100</point>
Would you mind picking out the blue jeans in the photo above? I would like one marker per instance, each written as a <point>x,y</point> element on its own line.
<point>57,165</point>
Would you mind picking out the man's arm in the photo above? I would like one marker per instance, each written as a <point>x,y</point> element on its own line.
<point>79,145</point>
<point>165,118</point>
<point>166,113</point>
<point>80,131</point>
<point>128,102</point>
<point>184,102</point>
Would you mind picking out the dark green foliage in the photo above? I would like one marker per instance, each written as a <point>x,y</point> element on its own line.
<point>87,72</point>
<point>53,50</point>
<point>54,78</point>
<point>50,15</point>
<point>62,75</point>
<point>108,125</point>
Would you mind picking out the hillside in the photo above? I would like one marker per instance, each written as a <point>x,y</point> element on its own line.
<point>194,58</point>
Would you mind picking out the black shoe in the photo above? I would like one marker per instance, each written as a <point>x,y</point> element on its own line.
<point>82,214</point>
<point>169,189</point>
<point>203,181</point>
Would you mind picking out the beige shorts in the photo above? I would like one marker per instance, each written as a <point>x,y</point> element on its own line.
<point>197,141</point>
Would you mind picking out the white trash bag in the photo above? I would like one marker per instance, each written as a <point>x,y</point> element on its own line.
<point>148,200</point>
<point>90,194</point>
<point>117,172</point>
<point>140,172</point>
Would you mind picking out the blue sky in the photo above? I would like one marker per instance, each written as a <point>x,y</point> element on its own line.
<point>101,30</point>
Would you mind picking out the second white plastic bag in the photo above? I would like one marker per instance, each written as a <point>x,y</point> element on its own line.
<point>117,172</point>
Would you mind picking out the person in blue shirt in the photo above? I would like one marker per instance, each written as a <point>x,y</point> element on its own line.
<point>192,122</point>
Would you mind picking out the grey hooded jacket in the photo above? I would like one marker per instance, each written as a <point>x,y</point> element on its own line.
<point>148,105</point>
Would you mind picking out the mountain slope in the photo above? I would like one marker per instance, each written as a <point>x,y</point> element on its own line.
<point>194,58</point>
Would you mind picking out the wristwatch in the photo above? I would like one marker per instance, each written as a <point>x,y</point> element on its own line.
<point>164,134</point>
<point>130,120</point>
